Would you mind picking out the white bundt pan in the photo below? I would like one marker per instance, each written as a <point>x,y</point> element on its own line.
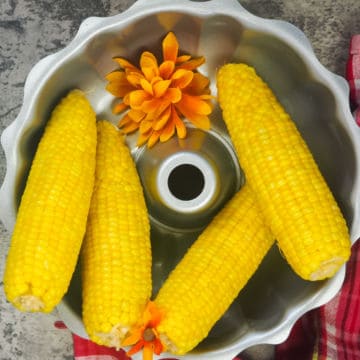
<point>222,31</point>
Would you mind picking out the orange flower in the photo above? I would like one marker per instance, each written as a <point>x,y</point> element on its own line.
<point>144,336</point>
<point>158,97</point>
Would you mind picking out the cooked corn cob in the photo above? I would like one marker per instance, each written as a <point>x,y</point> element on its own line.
<point>116,255</point>
<point>51,219</point>
<point>212,273</point>
<point>292,193</point>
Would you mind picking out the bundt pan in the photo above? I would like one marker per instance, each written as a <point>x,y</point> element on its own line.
<point>222,31</point>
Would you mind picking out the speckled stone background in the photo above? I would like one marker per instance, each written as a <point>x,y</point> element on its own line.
<point>32,29</point>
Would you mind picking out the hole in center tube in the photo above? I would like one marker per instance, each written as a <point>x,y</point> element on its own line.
<point>186,182</point>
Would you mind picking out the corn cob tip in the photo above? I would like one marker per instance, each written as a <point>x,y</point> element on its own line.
<point>115,337</point>
<point>29,303</point>
<point>328,268</point>
<point>168,344</point>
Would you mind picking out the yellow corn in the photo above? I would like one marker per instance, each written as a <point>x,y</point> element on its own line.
<point>116,254</point>
<point>51,219</point>
<point>293,195</point>
<point>212,273</point>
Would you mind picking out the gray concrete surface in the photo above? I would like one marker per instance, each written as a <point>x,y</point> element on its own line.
<point>32,29</point>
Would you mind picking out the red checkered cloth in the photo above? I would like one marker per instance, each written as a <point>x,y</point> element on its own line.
<point>353,70</point>
<point>87,350</point>
<point>353,76</point>
<point>331,332</point>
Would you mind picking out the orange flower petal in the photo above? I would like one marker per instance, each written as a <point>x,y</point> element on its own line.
<point>198,85</point>
<point>137,98</point>
<point>136,348</point>
<point>126,99</point>
<point>118,90</point>
<point>118,76</point>
<point>147,316</point>
<point>183,58</point>
<point>200,121</point>
<point>155,79</point>
<point>118,108</point>
<point>127,125</point>
<point>153,139</point>
<point>181,130</point>
<point>147,86</point>
<point>125,64</point>
<point>166,69</point>
<point>156,314</point>
<point>170,47</point>
<point>192,64</point>
<point>207,97</point>
<point>130,127</point>
<point>194,104</point>
<point>143,138</point>
<point>173,95</point>
<point>161,87</point>
<point>149,117</point>
<point>136,115</point>
<point>133,338</point>
<point>134,78</point>
<point>158,108</point>
<point>158,346</point>
<point>124,120</point>
<point>149,65</point>
<point>179,124</point>
<point>145,126</point>
<point>151,105</point>
<point>182,78</point>
<point>168,131</point>
<point>162,120</point>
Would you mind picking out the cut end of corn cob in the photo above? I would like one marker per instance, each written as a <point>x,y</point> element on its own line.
<point>328,268</point>
<point>29,303</point>
<point>114,337</point>
<point>293,195</point>
<point>169,345</point>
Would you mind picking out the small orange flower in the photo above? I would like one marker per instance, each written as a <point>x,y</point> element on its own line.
<point>158,97</point>
<point>145,336</point>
